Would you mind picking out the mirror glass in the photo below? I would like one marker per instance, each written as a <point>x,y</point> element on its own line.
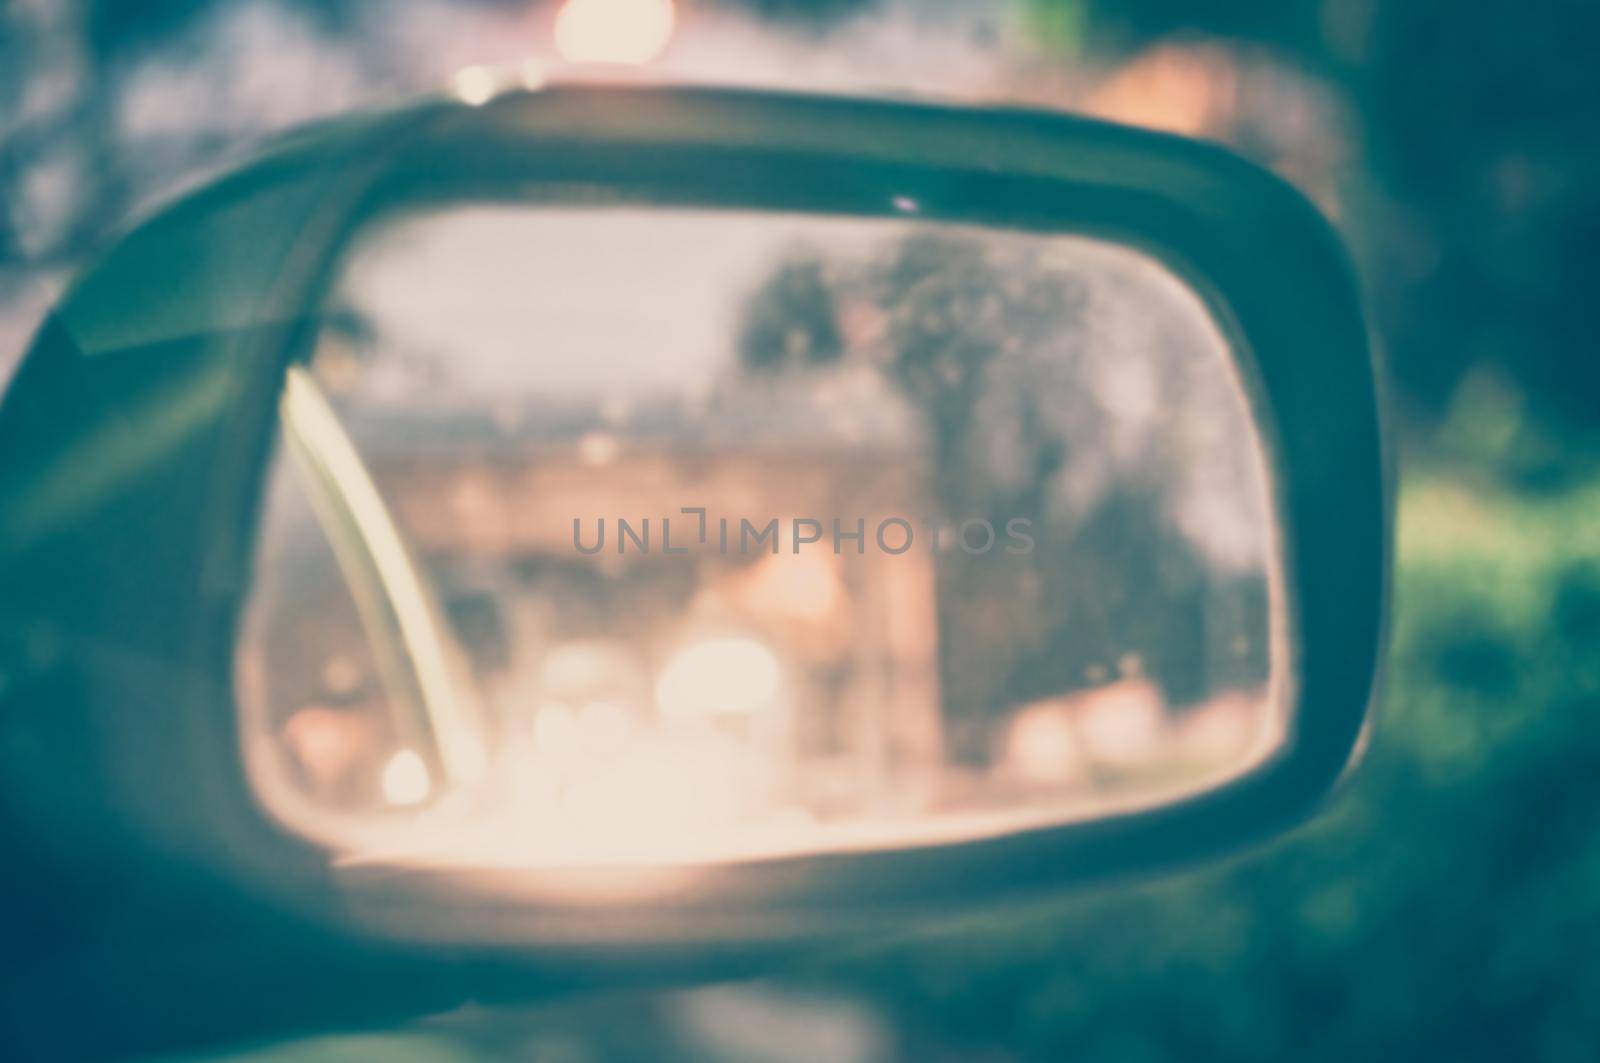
<point>606,535</point>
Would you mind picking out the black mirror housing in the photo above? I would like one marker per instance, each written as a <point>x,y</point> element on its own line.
<point>137,429</point>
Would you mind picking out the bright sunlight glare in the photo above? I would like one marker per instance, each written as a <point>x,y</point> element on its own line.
<point>405,779</point>
<point>613,31</point>
<point>732,676</point>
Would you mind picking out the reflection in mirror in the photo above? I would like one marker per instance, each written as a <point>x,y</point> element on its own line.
<point>670,536</point>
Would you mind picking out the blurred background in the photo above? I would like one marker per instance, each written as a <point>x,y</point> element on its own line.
<point>1446,905</point>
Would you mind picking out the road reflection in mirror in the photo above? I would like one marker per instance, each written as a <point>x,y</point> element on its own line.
<point>664,537</point>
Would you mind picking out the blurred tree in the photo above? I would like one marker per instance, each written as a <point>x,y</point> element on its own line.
<point>990,346</point>
<point>1477,122</point>
<point>1482,124</point>
<point>1444,909</point>
<point>1484,242</point>
<point>792,319</point>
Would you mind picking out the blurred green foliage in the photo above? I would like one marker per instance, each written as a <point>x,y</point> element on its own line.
<point>1444,908</point>
<point>1476,124</point>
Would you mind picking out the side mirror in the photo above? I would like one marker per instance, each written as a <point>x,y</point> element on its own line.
<point>622,521</point>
